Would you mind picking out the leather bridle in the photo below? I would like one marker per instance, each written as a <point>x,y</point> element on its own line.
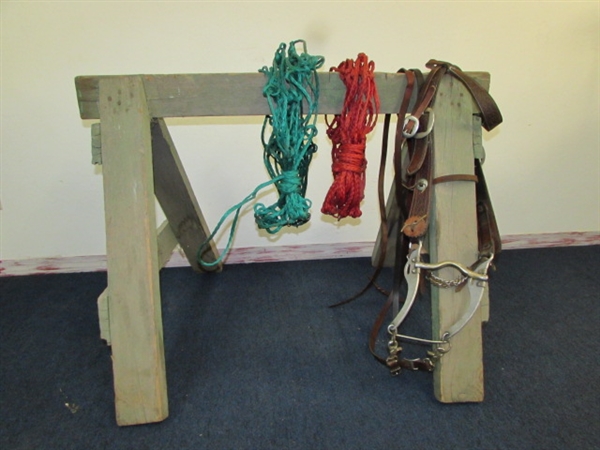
<point>413,192</point>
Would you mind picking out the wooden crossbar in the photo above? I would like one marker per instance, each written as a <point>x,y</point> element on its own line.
<point>237,94</point>
<point>141,162</point>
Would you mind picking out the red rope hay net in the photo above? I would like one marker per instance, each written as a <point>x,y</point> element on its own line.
<point>348,133</point>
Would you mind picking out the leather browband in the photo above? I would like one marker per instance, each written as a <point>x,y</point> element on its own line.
<point>490,113</point>
<point>456,177</point>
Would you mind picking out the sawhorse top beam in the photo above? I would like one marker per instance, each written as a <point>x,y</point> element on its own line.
<point>235,94</point>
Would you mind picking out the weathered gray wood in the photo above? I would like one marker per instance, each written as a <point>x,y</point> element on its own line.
<point>104,316</point>
<point>453,236</point>
<point>174,193</point>
<point>166,244</point>
<point>167,241</point>
<point>176,197</point>
<point>96,144</point>
<point>478,150</point>
<point>132,254</point>
<point>392,214</point>
<point>238,94</point>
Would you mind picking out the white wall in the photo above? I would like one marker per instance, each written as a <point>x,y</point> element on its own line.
<point>543,163</point>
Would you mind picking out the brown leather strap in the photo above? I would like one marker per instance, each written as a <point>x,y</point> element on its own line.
<point>398,143</point>
<point>488,234</point>
<point>421,166</point>
<point>455,177</point>
<point>420,108</point>
<point>421,163</point>
<point>426,95</point>
<point>401,249</point>
<point>416,224</point>
<point>377,327</point>
<point>419,148</point>
<point>490,113</point>
<point>400,139</point>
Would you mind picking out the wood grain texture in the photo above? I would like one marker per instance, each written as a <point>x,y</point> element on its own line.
<point>167,241</point>
<point>235,94</point>
<point>132,255</point>
<point>453,236</point>
<point>104,316</point>
<point>392,214</point>
<point>96,144</point>
<point>176,197</point>
<point>166,244</point>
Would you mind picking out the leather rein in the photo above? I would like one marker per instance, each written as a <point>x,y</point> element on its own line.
<point>413,191</point>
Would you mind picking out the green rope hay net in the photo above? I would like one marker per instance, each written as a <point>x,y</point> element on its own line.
<point>292,92</point>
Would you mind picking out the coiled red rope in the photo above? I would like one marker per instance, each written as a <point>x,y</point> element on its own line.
<point>348,133</point>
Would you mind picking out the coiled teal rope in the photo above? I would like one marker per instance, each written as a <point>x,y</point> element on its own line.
<point>291,84</point>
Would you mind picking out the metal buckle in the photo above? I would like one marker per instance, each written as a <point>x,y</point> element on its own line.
<point>413,133</point>
<point>408,119</point>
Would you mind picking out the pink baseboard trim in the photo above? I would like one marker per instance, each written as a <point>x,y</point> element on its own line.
<point>521,241</point>
<point>281,253</point>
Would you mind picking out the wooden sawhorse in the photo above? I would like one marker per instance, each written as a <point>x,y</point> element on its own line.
<point>140,162</point>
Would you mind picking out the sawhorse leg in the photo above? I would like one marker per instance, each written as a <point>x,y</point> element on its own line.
<point>140,160</point>
<point>453,236</point>
<point>135,318</point>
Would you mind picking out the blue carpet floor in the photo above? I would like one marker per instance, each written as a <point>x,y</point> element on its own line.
<point>256,360</point>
